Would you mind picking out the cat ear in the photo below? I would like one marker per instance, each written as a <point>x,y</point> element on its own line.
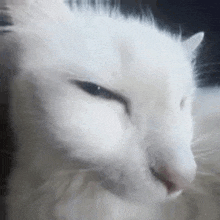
<point>192,43</point>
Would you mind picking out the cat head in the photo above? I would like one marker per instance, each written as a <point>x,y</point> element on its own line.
<point>115,93</point>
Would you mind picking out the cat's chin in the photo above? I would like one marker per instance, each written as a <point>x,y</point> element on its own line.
<point>143,195</point>
<point>160,197</point>
<point>154,192</point>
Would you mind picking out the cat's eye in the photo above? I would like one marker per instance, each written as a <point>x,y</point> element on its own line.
<point>99,91</point>
<point>182,103</point>
<point>95,90</point>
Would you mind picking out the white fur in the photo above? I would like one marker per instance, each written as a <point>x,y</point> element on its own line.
<point>72,144</point>
<point>201,202</point>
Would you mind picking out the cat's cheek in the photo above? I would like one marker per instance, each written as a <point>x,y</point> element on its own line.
<point>100,125</point>
<point>97,126</point>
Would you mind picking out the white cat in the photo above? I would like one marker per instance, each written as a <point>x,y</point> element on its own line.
<point>101,109</point>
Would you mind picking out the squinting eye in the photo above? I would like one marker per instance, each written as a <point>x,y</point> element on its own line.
<point>96,90</point>
<point>182,103</point>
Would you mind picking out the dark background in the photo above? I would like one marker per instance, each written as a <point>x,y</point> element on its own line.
<point>186,15</point>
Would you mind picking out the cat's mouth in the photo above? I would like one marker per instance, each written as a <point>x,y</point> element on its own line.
<point>170,186</point>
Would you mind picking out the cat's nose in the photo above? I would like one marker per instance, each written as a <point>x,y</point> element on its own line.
<point>175,178</point>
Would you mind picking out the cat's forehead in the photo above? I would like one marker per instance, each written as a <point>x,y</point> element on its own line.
<point>116,53</point>
<point>133,54</point>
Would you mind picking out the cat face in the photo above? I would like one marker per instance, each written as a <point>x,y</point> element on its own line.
<point>115,94</point>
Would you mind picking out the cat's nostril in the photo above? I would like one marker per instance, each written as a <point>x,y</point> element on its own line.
<point>164,178</point>
<point>173,180</point>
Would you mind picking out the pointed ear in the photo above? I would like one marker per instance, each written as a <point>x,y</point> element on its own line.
<point>192,43</point>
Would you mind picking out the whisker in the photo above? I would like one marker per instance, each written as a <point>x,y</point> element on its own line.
<point>208,64</point>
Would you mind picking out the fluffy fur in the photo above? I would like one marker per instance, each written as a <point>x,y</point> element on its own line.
<point>112,153</point>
